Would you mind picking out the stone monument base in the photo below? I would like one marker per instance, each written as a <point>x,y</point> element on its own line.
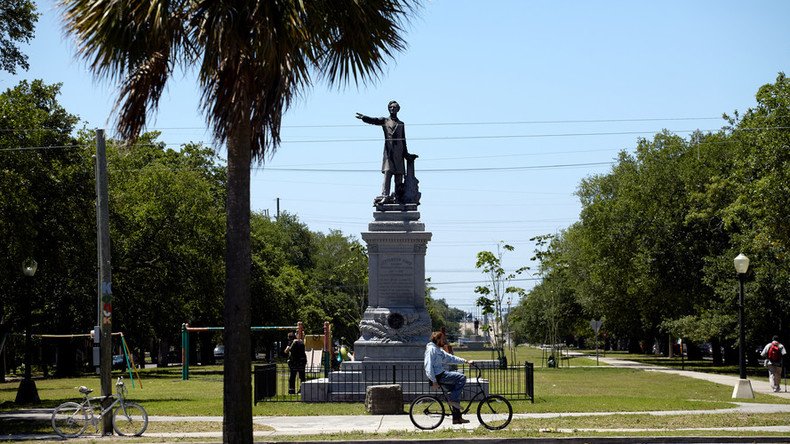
<point>375,351</point>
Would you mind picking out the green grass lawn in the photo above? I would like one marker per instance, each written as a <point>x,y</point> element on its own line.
<point>573,389</point>
<point>531,354</point>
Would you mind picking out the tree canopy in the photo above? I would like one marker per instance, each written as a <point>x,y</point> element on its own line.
<point>652,252</point>
<point>167,224</point>
<point>17,25</point>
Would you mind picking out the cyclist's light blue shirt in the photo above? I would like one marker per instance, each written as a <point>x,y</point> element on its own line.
<point>435,357</point>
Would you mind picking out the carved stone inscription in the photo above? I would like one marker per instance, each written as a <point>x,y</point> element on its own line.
<point>396,281</point>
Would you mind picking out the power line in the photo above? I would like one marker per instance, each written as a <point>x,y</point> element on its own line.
<point>30,148</point>
<point>521,136</point>
<point>516,122</point>
<point>495,136</point>
<point>530,136</point>
<point>521,122</point>
<point>29,130</point>
<point>440,170</point>
<point>497,156</point>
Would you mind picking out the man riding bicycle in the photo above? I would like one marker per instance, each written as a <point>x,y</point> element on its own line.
<point>434,363</point>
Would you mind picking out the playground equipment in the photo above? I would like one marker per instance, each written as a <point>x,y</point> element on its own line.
<point>299,327</point>
<point>128,357</point>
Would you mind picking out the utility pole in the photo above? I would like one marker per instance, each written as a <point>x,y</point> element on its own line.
<point>105,278</point>
<point>278,208</point>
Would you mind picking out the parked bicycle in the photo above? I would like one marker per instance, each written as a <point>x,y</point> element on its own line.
<point>493,411</point>
<point>71,419</point>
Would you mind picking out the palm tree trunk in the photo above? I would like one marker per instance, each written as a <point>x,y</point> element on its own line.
<point>237,401</point>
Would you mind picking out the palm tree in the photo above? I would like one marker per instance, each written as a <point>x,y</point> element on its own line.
<point>253,58</point>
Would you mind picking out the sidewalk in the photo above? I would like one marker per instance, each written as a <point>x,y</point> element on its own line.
<point>759,385</point>
<point>312,425</point>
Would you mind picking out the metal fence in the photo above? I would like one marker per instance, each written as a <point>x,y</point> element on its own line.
<point>347,385</point>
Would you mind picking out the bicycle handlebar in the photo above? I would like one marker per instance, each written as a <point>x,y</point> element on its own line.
<point>476,367</point>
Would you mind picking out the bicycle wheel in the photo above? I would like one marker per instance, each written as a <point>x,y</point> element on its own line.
<point>69,420</point>
<point>426,412</point>
<point>494,412</point>
<point>130,419</point>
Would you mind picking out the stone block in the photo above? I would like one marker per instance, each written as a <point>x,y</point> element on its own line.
<point>315,390</point>
<point>384,399</point>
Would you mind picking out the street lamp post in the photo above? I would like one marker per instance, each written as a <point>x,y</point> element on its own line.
<point>743,389</point>
<point>27,392</point>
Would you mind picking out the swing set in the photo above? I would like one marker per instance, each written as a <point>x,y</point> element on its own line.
<point>186,330</point>
<point>131,368</point>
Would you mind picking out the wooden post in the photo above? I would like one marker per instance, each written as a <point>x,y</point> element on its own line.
<point>105,276</point>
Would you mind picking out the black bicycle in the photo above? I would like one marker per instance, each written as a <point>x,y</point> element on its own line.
<point>493,411</point>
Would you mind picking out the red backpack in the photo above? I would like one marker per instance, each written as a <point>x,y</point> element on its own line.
<point>774,353</point>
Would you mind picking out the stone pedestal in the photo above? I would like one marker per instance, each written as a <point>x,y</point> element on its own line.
<point>396,325</point>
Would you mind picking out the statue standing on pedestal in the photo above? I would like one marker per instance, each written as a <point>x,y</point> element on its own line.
<point>393,163</point>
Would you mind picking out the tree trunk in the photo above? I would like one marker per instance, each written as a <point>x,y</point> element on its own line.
<point>730,354</point>
<point>694,353</point>
<point>65,360</point>
<point>237,401</point>
<point>635,346</point>
<point>162,351</point>
<point>715,345</point>
<point>206,347</point>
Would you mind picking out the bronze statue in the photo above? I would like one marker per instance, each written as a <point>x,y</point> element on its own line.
<point>395,153</point>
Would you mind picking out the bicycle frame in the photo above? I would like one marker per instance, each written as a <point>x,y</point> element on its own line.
<point>477,396</point>
<point>90,408</point>
<point>71,419</point>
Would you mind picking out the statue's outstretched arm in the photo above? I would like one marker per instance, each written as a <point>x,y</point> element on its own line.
<point>371,120</point>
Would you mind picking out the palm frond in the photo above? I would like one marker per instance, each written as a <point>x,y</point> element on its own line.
<point>358,38</point>
<point>133,43</point>
<point>254,57</point>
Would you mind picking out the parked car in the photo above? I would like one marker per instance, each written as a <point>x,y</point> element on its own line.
<point>219,351</point>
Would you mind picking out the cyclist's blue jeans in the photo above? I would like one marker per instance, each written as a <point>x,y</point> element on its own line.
<point>455,382</point>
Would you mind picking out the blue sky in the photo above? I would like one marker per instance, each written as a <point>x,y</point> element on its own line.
<point>516,101</point>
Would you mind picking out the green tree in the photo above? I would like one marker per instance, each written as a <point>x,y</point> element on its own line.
<point>339,276</point>
<point>167,218</point>
<point>17,25</point>
<point>496,294</point>
<point>46,199</point>
<point>652,252</point>
<point>644,256</point>
<point>253,58</point>
<point>748,197</point>
<point>549,313</point>
<point>442,315</point>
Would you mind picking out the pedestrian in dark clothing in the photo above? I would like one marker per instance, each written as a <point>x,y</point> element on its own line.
<point>297,360</point>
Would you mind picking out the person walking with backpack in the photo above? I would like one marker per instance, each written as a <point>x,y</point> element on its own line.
<point>773,353</point>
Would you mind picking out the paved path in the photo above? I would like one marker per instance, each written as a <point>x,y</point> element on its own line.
<point>759,384</point>
<point>312,425</point>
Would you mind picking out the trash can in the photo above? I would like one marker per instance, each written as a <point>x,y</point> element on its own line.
<point>265,379</point>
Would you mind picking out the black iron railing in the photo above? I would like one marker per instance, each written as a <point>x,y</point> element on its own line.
<point>349,384</point>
